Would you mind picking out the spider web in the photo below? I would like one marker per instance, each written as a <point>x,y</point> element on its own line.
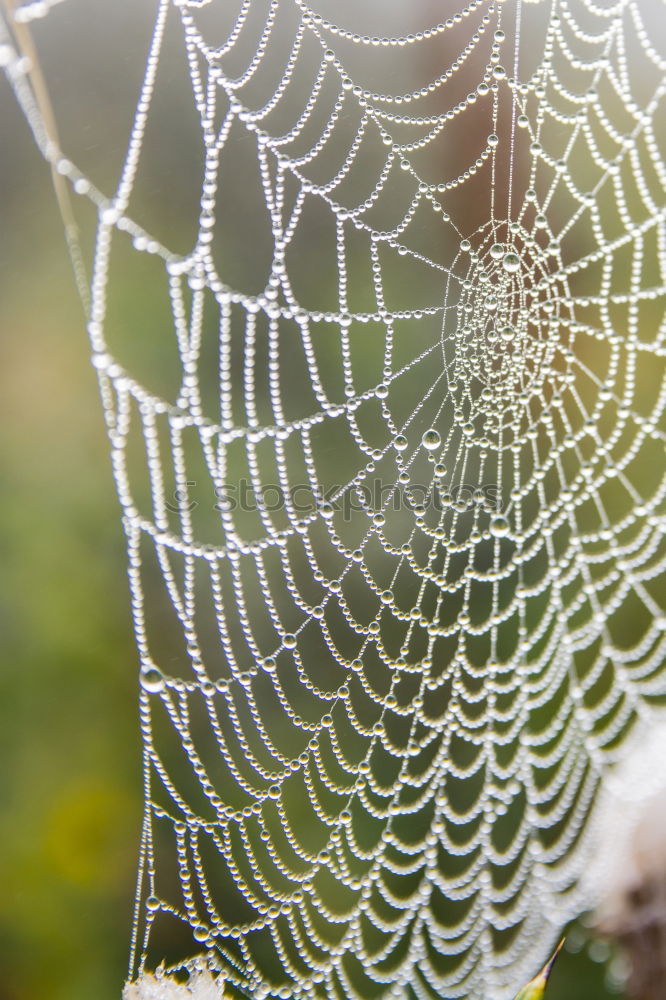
<point>392,479</point>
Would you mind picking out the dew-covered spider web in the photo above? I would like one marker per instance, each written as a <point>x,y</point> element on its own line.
<point>388,437</point>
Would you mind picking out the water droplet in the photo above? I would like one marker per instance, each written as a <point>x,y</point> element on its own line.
<point>511,262</point>
<point>109,216</point>
<point>507,333</point>
<point>152,680</point>
<point>499,527</point>
<point>440,470</point>
<point>496,251</point>
<point>431,439</point>
<point>400,442</point>
<point>465,245</point>
<point>101,360</point>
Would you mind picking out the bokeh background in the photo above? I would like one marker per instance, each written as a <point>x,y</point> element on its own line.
<point>70,799</point>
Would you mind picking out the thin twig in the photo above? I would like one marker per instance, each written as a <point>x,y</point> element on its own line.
<point>40,91</point>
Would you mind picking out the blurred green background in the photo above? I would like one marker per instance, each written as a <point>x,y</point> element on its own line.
<point>70,805</point>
